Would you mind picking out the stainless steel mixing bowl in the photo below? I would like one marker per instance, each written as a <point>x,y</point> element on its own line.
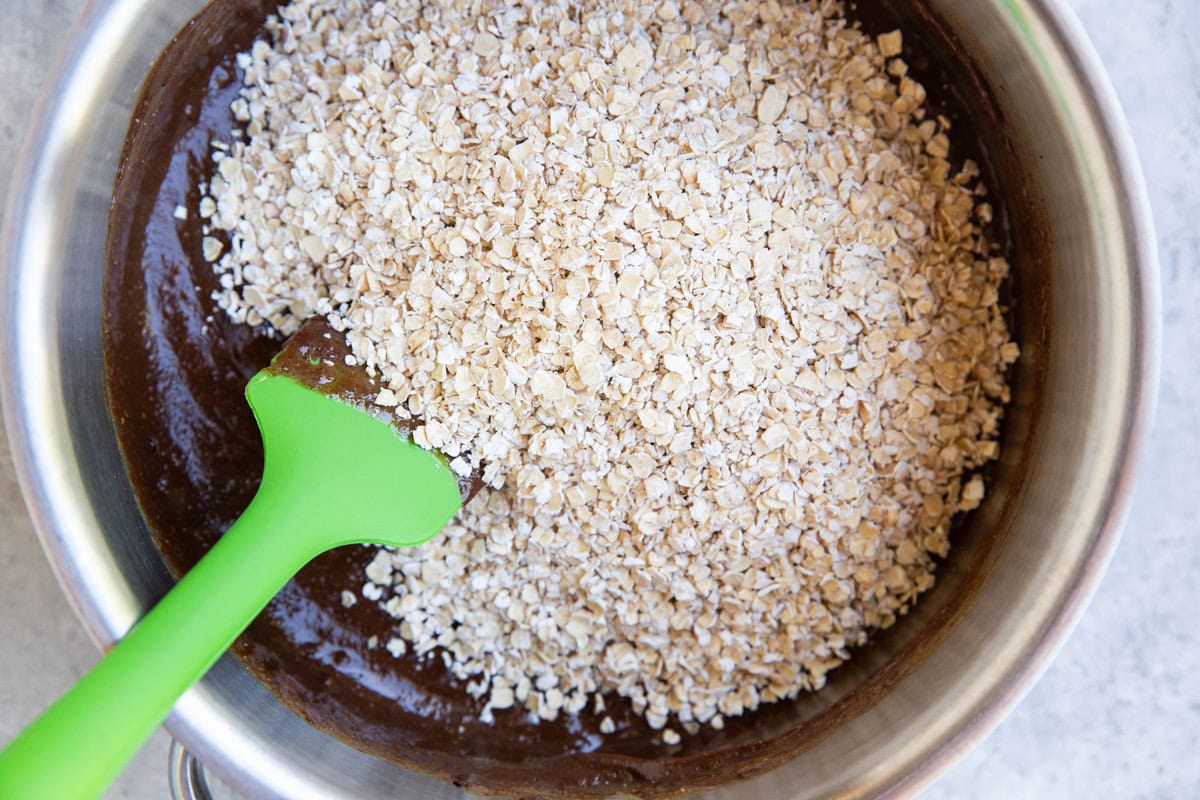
<point>1088,319</point>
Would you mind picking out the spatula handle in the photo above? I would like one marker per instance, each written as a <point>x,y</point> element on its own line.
<point>332,475</point>
<point>79,745</point>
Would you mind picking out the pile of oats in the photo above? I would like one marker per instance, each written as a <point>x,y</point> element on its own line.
<point>697,284</point>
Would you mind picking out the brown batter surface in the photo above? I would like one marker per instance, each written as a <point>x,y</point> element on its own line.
<point>177,367</point>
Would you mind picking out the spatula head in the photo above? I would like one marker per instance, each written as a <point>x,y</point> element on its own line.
<point>317,356</point>
<point>356,472</point>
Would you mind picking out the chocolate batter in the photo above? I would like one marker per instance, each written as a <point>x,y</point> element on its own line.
<point>177,366</point>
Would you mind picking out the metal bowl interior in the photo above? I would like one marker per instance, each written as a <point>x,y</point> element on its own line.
<point>1087,321</point>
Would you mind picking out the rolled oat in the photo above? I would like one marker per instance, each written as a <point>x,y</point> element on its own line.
<point>696,282</point>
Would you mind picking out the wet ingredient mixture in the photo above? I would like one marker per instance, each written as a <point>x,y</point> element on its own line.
<point>695,283</point>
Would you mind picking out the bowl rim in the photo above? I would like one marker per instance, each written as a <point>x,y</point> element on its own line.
<point>1060,27</point>
<point>105,603</point>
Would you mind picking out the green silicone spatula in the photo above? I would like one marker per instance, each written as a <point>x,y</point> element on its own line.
<point>334,474</point>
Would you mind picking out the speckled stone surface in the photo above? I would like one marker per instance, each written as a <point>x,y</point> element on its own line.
<point>1117,715</point>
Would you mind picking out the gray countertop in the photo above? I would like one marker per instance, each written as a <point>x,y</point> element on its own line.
<point>1117,715</point>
